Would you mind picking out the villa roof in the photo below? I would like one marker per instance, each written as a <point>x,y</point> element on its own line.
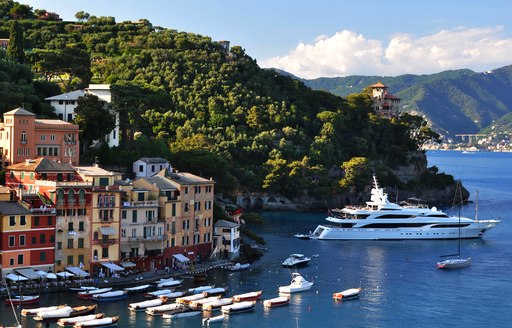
<point>19,111</point>
<point>378,85</point>
<point>42,164</point>
<point>73,95</point>
<point>226,224</point>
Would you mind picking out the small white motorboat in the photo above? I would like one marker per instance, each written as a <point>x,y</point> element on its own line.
<point>238,307</point>
<point>137,289</point>
<point>219,318</point>
<point>190,298</point>
<point>64,322</point>
<point>302,236</point>
<point>181,313</point>
<point>198,304</point>
<point>89,293</point>
<point>295,260</point>
<point>217,304</point>
<point>347,294</point>
<point>237,267</point>
<point>200,289</point>
<point>214,291</point>
<point>141,306</point>
<point>103,322</point>
<point>276,301</point>
<point>159,310</point>
<point>252,296</point>
<point>169,283</point>
<point>82,288</point>
<point>110,296</point>
<point>298,284</point>
<point>32,312</point>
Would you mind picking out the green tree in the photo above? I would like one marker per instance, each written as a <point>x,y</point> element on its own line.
<point>356,173</point>
<point>94,120</point>
<point>82,16</point>
<point>15,48</point>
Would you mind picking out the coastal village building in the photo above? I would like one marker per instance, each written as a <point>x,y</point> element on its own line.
<point>186,207</point>
<point>60,188</point>
<point>142,231</point>
<point>226,240</point>
<point>149,166</point>
<point>104,213</point>
<point>385,104</point>
<point>65,104</point>
<point>23,136</point>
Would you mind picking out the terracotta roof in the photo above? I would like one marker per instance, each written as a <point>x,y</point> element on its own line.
<point>390,96</point>
<point>378,85</point>
<point>42,164</point>
<point>20,111</point>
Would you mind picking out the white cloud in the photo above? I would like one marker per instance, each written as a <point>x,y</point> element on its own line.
<point>349,53</point>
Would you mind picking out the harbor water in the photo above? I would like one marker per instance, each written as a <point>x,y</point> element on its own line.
<point>401,285</point>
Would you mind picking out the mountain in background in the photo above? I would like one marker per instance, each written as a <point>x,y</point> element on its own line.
<point>454,102</point>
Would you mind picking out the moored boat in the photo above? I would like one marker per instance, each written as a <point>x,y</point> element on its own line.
<point>198,304</point>
<point>301,236</point>
<point>103,322</point>
<point>347,294</point>
<point>167,293</point>
<point>454,263</point>
<point>82,288</point>
<point>110,296</point>
<point>381,219</point>
<point>21,300</point>
<point>64,322</point>
<point>217,304</point>
<point>214,291</point>
<point>295,260</point>
<point>167,283</point>
<point>65,312</point>
<point>32,312</point>
<point>181,313</point>
<point>252,296</point>
<point>159,310</point>
<point>218,318</point>
<point>298,284</point>
<point>137,289</point>
<point>200,289</point>
<point>141,306</point>
<point>190,298</point>
<point>276,301</point>
<point>89,293</point>
<point>238,307</point>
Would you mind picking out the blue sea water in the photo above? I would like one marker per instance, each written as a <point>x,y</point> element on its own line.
<point>401,285</point>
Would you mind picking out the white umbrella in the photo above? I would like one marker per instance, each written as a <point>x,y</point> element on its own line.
<point>51,275</point>
<point>15,277</point>
<point>65,274</point>
<point>41,273</point>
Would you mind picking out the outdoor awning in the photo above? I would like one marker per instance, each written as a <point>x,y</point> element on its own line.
<point>128,264</point>
<point>181,258</point>
<point>41,273</point>
<point>153,246</point>
<point>28,273</point>
<point>51,275</point>
<point>112,266</point>
<point>65,274</point>
<point>108,230</point>
<point>77,271</point>
<point>15,277</point>
<point>125,248</point>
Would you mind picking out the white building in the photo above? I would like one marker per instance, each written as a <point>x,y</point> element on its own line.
<point>226,240</point>
<point>149,166</point>
<point>65,104</point>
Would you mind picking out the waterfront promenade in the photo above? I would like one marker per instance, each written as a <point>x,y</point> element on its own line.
<point>133,279</point>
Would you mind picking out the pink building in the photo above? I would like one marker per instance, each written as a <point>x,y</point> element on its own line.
<point>23,136</point>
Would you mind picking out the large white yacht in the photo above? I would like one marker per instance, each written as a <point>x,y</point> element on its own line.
<point>381,219</point>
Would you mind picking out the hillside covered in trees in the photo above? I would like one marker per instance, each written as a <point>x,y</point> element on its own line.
<point>209,110</point>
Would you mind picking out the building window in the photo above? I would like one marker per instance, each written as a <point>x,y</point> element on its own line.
<point>42,238</point>
<point>70,259</point>
<point>20,259</point>
<point>197,189</point>
<point>185,224</point>
<point>196,239</point>
<point>134,233</point>
<point>12,241</point>
<point>70,243</point>
<point>12,221</point>
<point>184,240</point>
<point>22,240</point>
<point>23,137</point>
<point>173,209</point>
<point>50,221</point>
<point>81,260</point>
<point>52,239</point>
<point>197,206</point>
<point>42,137</point>
<point>59,245</point>
<point>141,168</point>
<point>70,226</point>
<point>42,256</point>
<point>134,216</point>
<point>52,137</point>
<point>123,233</point>
<point>35,222</point>
<point>81,226</point>
<point>186,190</point>
<point>80,243</point>
<point>104,252</point>
<point>186,207</point>
<point>11,262</point>
<point>34,240</point>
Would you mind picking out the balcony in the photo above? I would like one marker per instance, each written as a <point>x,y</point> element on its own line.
<point>105,241</point>
<point>142,238</point>
<point>146,203</point>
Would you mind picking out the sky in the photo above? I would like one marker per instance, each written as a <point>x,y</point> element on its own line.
<point>329,38</point>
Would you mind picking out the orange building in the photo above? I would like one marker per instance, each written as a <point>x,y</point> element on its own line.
<point>23,136</point>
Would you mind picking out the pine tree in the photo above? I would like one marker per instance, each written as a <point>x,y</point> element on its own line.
<point>15,51</point>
